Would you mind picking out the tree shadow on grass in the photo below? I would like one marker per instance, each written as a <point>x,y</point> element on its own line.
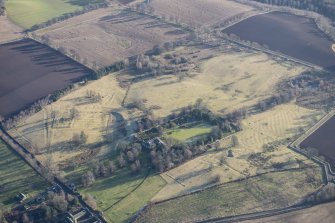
<point>45,56</point>
<point>122,178</point>
<point>122,17</point>
<point>193,174</point>
<point>84,2</point>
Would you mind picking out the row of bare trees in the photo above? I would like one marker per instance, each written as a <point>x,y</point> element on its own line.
<point>2,8</point>
<point>312,89</point>
<point>129,155</point>
<point>37,106</point>
<point>146,8</point>
<point>106,169</point>
<point>66,16</point>
<point>48,168</point>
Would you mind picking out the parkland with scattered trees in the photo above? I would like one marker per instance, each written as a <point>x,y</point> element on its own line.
<point>152,147</point>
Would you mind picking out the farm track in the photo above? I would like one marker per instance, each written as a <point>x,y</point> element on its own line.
<point>137,186</point>
<point>18,133</point>
<point>257,215</point>
<point>176,180</point>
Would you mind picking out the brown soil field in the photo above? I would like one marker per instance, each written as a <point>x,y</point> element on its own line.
<point>36,71</point>
<point>106,36</point>
<point>198,12</point>
<point>323,213</point>
<point>293,35</point>
<point>322,140</point>
<point>8,30</point>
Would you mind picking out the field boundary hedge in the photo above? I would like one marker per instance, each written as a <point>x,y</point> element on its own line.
<point>67,16</point>
<point>143,209</point>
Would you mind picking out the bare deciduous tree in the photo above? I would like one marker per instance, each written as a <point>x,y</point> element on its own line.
<point>88,179</point>
<point>91,201</point>
<point>122,161</point>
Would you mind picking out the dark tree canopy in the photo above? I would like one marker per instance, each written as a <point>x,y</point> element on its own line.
<point>2,7</point>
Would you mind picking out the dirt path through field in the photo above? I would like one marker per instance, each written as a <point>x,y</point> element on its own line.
<point>9,31</point>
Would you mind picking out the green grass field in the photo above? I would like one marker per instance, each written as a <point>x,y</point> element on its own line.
<point>15,177</point>
<point>134,191</point>
<point>27,13</point>
<point>184,134</point>
<point>255,194</point>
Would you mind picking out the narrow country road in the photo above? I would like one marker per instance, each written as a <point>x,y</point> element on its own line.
<point>20,150</point>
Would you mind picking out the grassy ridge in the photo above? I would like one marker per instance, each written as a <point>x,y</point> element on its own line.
<point>15,177</point>
<point>27,13</point>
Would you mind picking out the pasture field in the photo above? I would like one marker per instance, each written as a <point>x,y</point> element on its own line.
<point>323,213</point>
<point>121,196</point>
<point>8,31</point>
<point>254,194</point>
<point>202,13</point>
<point>105,36</point>
<point>186,133</point>
<point>262,147</point>
<point>36,72</point>
<point>226,82</point>
<point>27,13</point>
<point>51,130</point>
<point>16,177</point>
